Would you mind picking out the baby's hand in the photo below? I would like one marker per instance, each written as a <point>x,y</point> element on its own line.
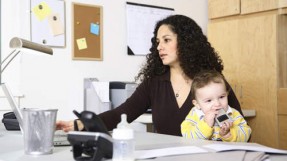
<point>225,128</point>
<point>209,117</point>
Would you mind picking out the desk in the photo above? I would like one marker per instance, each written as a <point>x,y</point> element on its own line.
<point>12,148</point>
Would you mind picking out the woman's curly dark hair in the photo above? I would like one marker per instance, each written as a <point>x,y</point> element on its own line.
<point>194,51</point>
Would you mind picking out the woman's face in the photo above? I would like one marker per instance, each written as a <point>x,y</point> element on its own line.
<point>167,46</point>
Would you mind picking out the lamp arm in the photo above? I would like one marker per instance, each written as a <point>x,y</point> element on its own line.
<point>10,59</point>
<point>8,56</point>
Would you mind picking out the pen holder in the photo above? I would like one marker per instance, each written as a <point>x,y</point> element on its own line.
<point>39,127</point>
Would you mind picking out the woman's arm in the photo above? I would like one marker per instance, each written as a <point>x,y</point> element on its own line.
<point>134,106</point>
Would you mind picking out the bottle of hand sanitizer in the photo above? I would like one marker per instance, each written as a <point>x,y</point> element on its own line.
<point>123,145</point>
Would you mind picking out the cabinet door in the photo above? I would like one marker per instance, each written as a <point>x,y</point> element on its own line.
<point>223,37</point>
<point>257,75</point>
<point>247,46</point>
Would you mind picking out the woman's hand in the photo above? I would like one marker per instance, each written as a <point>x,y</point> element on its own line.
<point>68,125</point>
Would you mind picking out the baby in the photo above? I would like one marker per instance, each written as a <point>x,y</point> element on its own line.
<point>209,91</point>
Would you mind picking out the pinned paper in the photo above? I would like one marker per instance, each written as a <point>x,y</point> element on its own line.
<point>42,10</point>
<point>82,44</point>
<point>55,24</point>
<point>102,89</point>
<point>95,28</point>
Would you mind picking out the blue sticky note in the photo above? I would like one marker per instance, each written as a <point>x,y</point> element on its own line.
<point>95,28</point>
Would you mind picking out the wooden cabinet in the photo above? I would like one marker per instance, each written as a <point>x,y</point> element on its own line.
<point>254,52</point>
<point>224,8</point>
<point>253,6</point>
<point>282,113</point>
<point>221,8</point>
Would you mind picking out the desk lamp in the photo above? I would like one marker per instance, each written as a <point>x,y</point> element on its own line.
<point>19,43</point>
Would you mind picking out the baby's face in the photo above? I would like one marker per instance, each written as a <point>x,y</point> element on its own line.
<point>212,97</point>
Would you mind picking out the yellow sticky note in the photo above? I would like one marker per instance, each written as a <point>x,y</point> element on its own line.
<point>82,44</point>
<point>42,10</point>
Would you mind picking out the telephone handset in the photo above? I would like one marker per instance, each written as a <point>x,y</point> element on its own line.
<point>91,122</point>
<point>95,142</point>
<point>221,117</point>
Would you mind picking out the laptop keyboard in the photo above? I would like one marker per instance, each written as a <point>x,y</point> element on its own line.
<point>60,138</point>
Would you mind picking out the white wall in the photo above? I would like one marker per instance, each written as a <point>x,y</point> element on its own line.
<point>57,81</point>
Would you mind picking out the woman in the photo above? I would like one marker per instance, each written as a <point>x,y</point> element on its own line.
<point>179,51</point>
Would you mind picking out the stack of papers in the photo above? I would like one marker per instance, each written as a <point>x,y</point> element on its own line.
<point>258,148</point>
<point>220,151</point>
<point>145,154</point>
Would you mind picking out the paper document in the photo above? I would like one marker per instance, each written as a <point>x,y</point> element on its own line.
<point>145,154</point>
<point>102,89</point>
<point>226,147</point>
<point>255,156</point>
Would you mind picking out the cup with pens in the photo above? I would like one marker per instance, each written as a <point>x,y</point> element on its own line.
<point>38,128</point>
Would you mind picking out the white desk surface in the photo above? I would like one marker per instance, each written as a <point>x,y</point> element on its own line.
<point>12,148</point>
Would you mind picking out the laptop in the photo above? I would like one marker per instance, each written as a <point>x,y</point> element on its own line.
<point>60,137</point>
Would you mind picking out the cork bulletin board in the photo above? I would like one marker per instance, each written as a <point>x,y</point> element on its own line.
<point>87,32</point>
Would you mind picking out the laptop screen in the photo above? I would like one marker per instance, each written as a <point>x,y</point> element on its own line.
<point>13,104</point>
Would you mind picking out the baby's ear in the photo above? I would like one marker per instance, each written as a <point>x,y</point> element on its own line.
<point>195,104</point>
